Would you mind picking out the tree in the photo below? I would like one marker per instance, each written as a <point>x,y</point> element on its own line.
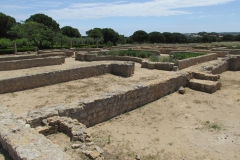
<point>156,37</point>
<point>140,36</point>
<point>109,35</point>
<point>168,36</point>
<point>179,38</point>
<point>96,34</point>
<point>70,32</point>
<point>6,23</point>
<point>52,25</point>
<point>33,32</point>
<point>45,20</point>
<point>228,37</point>
<point>237,37</point>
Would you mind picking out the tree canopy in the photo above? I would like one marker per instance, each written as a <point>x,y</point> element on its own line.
<point>109,35</point>
<point>156,37</point>
<point>33,32</point>
<point>140,36</point>
<point>95,33</point>
<point>6,23</point>
<point>70,32</point>
<point>45,20</point>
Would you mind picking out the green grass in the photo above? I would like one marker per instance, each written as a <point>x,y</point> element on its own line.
<point>154,58</point>
<point>215,126</point>
<point>233,47</point>
<point>132,53</point>
<point>185,55</point>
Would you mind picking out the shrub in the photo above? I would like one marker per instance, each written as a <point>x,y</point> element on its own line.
<point>5,43</point>
<point>133,53</point>
<point>11,51</point>
<point>185,55</point>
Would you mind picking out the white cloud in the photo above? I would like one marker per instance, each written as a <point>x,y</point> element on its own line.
<point>129,9</point>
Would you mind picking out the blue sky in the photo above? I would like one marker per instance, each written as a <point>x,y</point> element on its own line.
<point>126,17</point>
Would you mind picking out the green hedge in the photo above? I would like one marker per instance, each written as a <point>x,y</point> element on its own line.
<point>133,53</point>
<point>11,50</point>
<point>185,55</point>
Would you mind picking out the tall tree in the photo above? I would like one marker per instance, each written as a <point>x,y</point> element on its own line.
<point>140,36</point>
<point>6,23</point>
<point>228,37</point>
<point>45,20</point>
<point>179,38</point>
<point>168,36</point>
<point>70,32</point>
<point>48,22</point>
<point>96,34</point>
<point>109,35</point>
<point>33,32</point>
<point>156,37</point>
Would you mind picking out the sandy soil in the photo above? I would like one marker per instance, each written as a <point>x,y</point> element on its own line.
<point>195,125</point>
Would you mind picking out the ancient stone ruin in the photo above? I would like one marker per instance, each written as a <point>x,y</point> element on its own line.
<point>23,135</point>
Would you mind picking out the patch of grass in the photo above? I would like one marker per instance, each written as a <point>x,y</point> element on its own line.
<point>238,100</point>
<point>170,143</point>
<point>215,126</point>
<point>185,55</point>
<point>155,58</point>
<point>197,101</point>
<point>132,53</point>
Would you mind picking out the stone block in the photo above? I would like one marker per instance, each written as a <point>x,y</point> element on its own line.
<point>151,65</point>
<point>204,85</point>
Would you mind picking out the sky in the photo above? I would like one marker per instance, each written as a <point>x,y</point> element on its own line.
<point>126,17</point>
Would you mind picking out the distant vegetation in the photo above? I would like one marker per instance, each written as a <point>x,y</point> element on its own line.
<point>40,30</point>
<point>173,58</point>
<point>185,55</point>
<point>133,53</point>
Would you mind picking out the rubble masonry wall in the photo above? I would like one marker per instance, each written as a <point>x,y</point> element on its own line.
<point>29,63</point>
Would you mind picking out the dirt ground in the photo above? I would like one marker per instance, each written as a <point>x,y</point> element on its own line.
<point>195,125</point>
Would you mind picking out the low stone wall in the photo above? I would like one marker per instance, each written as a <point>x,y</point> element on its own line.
<point>229,63</point>
<point>49,78</point>
<point>86,49</point>
<point>23,142</point>
<point>67,53</point>
<point>106,106</point>
<point>203,76</point>
<point>231,51</point>
<point>145,64</point>
<point>158,65</point>
<point>29,63</point>
<point>196,60</point>
<point>234,63</point>
<point>204,85</point>
<point>19,57</point>
<point>94,57</point>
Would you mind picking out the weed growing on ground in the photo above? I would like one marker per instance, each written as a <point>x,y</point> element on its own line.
<point>215,126</point>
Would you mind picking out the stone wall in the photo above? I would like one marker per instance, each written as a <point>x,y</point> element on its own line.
<point>231,62</point>
<point>50,78</point>
<point>86,49</point>
<point>158,65</point>
<point>196,60</point>
<point>29,63</point>
<point>94,57</point>
<point>234,63</point>
<point>231,51</point>
<point>24,143</point>
<point>103,107</point>
<point>145,64</point>
<point>19,57</point>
